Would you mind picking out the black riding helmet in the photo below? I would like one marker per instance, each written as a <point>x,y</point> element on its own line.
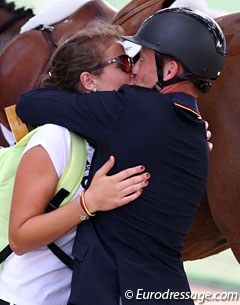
<point>189,36</point>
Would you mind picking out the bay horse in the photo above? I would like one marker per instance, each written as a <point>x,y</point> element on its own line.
<point>216,225</point>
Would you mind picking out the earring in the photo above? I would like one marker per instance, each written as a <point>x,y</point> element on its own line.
<point>94,89</point>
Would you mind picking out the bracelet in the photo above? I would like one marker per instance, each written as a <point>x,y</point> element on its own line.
<point>83,204</point>
<point>77,206</point>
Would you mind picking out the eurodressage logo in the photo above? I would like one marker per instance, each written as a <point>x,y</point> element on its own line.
<point>199,297</point>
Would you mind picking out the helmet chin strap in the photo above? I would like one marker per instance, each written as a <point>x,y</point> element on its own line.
<point>203,85</point>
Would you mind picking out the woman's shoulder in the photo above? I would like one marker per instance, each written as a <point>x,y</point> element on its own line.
<point>56,140</point>
<point>52,132</point>
<point>48,129</point>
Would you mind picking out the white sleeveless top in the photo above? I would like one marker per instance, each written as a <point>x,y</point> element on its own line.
<point>39,277</point>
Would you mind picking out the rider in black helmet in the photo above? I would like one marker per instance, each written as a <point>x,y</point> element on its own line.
<point>139,246</point>
<point>191,37</point>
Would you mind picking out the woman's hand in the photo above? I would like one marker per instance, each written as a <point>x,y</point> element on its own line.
<point>109,192</point>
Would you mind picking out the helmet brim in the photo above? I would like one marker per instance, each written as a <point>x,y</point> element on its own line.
<point>136,40</point>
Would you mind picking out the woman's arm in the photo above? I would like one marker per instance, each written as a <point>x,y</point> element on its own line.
<point>35,183</point>
<point>92,115</point>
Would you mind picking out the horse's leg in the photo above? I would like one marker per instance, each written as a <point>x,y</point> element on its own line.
<point>204,238</point>
<point>224,182</point>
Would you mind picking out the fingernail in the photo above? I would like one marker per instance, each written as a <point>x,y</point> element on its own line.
<point>142,167</point>
<point>148,175</point>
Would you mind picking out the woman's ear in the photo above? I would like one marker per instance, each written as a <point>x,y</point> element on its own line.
<point>87,81</point>
<point>170,69</point>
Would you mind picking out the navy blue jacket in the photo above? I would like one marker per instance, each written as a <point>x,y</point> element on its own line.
<point>137,246</point>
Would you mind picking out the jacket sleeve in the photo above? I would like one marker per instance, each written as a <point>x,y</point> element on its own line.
<point>93,115</point>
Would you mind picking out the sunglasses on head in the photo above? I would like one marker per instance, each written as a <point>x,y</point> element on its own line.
<point>124,62</point>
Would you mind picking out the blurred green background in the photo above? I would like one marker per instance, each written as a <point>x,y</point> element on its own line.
<point>221,269</point>
<point>227,5</point>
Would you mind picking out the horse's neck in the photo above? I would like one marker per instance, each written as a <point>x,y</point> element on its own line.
<point>92,10</point>
<point>5,15</point>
